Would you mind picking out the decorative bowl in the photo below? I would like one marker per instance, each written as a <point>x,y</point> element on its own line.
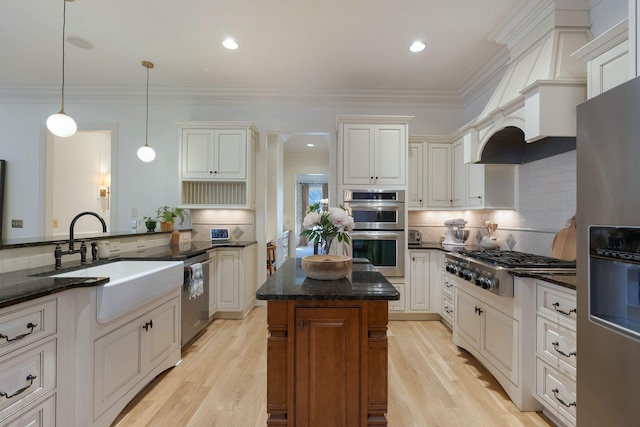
<point>326,267</point>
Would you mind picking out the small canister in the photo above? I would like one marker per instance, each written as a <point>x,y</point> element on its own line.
<point>104,251</point>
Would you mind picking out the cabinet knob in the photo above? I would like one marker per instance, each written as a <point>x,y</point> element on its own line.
<point>210,171</point>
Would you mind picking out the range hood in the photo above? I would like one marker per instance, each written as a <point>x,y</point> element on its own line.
<point>532,112</point>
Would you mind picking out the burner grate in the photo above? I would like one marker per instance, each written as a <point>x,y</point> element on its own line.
<point>513,259</point>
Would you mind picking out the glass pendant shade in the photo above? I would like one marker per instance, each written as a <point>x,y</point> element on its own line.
<point>146,153</point>
<point>61,125</point>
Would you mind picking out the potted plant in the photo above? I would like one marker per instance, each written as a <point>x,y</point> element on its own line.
<point>167,215</point>
<point>150,223</point>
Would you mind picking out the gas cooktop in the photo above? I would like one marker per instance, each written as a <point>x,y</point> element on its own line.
<point>492,270</point>
<point>513,259</point>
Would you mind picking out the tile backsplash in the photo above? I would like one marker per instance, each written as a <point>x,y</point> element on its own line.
<point>241,223</point>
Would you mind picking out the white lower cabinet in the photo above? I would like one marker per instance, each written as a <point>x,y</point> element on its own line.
<point>419,281</point>
<point>491,333</point>
<point>235,281</point>
<point>446,298</point>
<point>39,414</point>
<point>124,357</point>
<point>556,351</point>
<point>213,293</point>
<point>398,305</point>
<point>29,363</point>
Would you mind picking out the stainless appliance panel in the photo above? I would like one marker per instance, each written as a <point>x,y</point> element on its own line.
<point>384,249</point>
<point>377,215</point>
<point>194,312</point>
<point>608,193</point>
<point>374,195</point>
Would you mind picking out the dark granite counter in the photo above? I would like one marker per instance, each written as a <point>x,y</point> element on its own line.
<point>290,282</point>
<point>25,285</point>
<point>565,280</point>
<point>441,247</point>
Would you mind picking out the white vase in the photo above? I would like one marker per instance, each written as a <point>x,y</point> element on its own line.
<point>340,248</point>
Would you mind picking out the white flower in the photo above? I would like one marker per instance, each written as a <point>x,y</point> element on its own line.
<point>341,219</point>
<point>311,219</point>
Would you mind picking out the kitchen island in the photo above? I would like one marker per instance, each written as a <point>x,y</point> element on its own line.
<point>327,347</point>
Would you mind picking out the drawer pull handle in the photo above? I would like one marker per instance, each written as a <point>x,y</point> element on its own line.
<point>557,304</point>
<point>29,325</point>
<point>555,394</point>
<point>555,345</point>
<point>148,325</point>
<point>448,311</point>
<point>30,378</point>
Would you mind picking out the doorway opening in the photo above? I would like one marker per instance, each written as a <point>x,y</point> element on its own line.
<point>310,189</point>
<point>78,178</point>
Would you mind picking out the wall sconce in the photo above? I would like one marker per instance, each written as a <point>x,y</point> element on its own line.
<point>104,190</point>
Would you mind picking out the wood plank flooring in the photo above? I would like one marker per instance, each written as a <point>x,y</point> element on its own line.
<point>221,382</point>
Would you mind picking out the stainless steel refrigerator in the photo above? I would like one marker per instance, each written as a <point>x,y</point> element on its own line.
<point>608,258</point>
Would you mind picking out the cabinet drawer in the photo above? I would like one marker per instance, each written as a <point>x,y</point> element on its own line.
<point>556,390</point>
<point>556,302</point>
<point>26,324</point>
<point>40,414</point>
<point>447,284</point>
<point>556,344</point>
<point>27,375</point>
<point>447,308</point>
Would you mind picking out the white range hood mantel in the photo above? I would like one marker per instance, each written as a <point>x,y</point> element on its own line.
<point>541,88</point>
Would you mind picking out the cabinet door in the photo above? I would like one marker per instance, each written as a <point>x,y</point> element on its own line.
<point>419,281</point>
<point>439,175</point>
<point>162,336</point>
<point>390,155</point>
<point>230,155</point>
<point>398,305</point>
<point>197,153</point>
<point>358,155</point>
<point>414,187</point>
<point>499,338</point>
<point>467,320</point>
<point>213,306</point>
<point>327,366</point>
<point>227,280</point>
<point>457,174</point>
<point>475,185</point>
<point>118,365</point>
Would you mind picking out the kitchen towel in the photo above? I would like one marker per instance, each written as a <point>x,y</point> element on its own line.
<point>196,281</point>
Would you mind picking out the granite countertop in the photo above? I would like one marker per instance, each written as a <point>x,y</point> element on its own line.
<point>289,282</point>
<point>25,285</point>
<point>566,280</point>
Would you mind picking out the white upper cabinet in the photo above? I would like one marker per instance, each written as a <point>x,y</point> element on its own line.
<point>217,164</point>
<point>438,175</point>
<point>446,182</point>
<point>415,194</point>
<point>607,58</point>
<point>373,150</point>
<point>214,154</point>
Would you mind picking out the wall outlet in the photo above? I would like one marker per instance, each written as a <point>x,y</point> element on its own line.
<point>140,243</point>
<point>55,223</point>
<point>115,246</point>
<point>16,223</point>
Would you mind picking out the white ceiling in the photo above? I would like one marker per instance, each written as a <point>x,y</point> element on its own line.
<point>285,45</point>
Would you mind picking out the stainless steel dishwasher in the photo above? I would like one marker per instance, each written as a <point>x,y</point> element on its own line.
<point>195,311</point>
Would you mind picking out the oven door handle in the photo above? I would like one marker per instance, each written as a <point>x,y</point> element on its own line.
<point>201,262</point>
<point>376,234</point>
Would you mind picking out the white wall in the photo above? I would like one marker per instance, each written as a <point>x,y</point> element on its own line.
<point>145,186</point>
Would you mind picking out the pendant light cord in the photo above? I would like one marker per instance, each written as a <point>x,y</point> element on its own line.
<point>146,131</point>
<point>64,24</point>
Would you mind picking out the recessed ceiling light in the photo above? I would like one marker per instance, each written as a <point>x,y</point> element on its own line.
<point>309,145</point>
<point>80,42</point>
<point>230,44</point>
<point>417,46</point>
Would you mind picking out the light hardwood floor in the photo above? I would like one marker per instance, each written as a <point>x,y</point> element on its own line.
<point>222,382</point>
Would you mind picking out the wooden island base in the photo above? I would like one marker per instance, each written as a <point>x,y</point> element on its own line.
<point>327,363</point>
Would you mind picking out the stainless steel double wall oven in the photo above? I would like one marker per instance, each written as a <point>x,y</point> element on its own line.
<point>379,235</point>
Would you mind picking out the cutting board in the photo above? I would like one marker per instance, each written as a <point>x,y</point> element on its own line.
<point>564,243</point>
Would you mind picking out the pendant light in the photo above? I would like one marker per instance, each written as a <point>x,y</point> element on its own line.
<point>146,153</point>
<point>60,124</point>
